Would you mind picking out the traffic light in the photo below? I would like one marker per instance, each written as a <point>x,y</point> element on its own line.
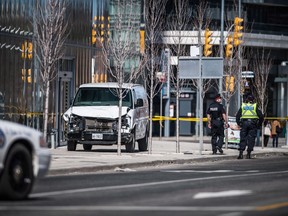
<point>142,41</point>
<point>23,72</point>
<point>229,47</point>
<point>237,31</point>
<point>94,36</point>
<point>26,75</point>
<point>102,29</point>
<point>207,45</point>
<point>230,83</point>
<point>29,76</point>
<point>24,50</point>
<point>30,50</point>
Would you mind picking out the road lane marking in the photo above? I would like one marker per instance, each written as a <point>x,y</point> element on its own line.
<point>206,171</point>
<point>228,193</point>
<point>197,171</point>
<point>115,187</point>
<point>271,207</point>
<point>128,208</point>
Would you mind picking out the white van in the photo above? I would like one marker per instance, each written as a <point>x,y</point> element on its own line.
<point>93,116</point>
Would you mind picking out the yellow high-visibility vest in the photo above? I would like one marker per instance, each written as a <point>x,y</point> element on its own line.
<point>249,111</point>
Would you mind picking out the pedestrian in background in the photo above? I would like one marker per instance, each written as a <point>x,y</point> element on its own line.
<point>249,118</point>
<point>217,118</point>
<point>275,132</point>
<point>267,132</point>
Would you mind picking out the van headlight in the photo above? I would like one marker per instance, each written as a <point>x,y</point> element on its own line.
<point>115,126</point>
<point>76,123</point>
<point>125,123</point>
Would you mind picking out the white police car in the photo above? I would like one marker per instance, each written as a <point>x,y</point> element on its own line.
<point>24,156</point>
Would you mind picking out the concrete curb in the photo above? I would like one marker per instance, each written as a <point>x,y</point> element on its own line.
<point>150,164</point>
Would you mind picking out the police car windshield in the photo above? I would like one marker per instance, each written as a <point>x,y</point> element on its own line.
<point>101,97</point>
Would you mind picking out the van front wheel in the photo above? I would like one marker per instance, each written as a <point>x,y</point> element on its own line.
<point>71,145</point>
<point>130,146</point>
<point>143,143</point>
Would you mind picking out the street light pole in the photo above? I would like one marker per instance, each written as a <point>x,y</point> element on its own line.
<point>285,64</point>
<point>221,42</point>
<point>287,109</point>
<point>240,65</point>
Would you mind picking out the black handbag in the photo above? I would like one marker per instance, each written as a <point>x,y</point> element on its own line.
<point>278,130</point>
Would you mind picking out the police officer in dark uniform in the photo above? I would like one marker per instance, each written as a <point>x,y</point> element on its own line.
<point>216,115</point>
<point>249,118</point>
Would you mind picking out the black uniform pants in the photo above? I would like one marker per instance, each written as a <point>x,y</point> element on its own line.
<point>217,139</point>
<point>248,135</point>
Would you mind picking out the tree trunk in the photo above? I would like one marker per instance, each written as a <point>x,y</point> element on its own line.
<point>45,114</point>
<point>177,122</point>
<point>226,130</point>
<point>119,123</point>
<point>151,100</point>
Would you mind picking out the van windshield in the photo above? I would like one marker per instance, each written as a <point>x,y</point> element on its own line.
<point>101,97</point>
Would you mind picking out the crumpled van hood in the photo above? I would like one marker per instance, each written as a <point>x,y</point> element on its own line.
<point>110,112</point>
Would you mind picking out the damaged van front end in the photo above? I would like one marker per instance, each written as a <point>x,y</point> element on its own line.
<point>95,121</point>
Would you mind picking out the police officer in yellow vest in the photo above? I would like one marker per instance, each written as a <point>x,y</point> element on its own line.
<point>249,118</point>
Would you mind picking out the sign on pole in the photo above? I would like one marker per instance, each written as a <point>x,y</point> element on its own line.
<point>212,68</point>
<point>247,74</point>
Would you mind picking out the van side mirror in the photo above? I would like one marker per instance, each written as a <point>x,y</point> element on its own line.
<point>139,102</point>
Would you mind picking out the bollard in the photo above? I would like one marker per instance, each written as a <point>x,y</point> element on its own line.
<point>52,140</point>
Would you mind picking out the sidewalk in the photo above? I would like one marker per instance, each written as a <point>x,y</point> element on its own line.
<point>163,152</point>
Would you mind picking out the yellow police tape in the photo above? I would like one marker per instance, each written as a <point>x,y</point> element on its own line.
<point>163,118</point>
<point>155,118</point>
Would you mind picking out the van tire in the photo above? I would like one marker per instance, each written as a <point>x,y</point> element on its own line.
<point>87,147</point>
<point>143,143</point>
<point>17,177</point>
<point>71,145</point>
<point>130,146</point>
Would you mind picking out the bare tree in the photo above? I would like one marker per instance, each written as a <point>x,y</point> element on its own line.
<point>201,20</point>
<point>178,24</point>
<point>261,66</point>
<point>121,50</point>
<point>154,21</point>
<point>49,35</point>
<point>232,78</point>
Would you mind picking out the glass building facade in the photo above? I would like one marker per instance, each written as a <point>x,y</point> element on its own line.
<point>20,82</point>
<point>20,86</point>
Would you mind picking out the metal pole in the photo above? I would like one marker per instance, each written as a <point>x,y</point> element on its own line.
<point>200,96</point>
<point>221,42</point>
<point>197,114</point>
<point>287,110</point>
<point>222,29</point>
<point>161,113</point>
<point>167,105</point>
<point>240,64</point>
<point>57,110</point>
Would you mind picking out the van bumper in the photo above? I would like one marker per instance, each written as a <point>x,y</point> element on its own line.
<point>85,137</point>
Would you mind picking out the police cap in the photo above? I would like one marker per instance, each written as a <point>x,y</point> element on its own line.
<point>250,98</point>
<point>217,96</point>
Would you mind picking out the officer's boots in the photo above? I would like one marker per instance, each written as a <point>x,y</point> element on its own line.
<point>240,155</point>
<point>248,156</point>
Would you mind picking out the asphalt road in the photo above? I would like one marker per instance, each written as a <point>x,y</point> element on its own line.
<point>256,187</point>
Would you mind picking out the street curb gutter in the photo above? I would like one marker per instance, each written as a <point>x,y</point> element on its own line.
<point>94,169</point>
